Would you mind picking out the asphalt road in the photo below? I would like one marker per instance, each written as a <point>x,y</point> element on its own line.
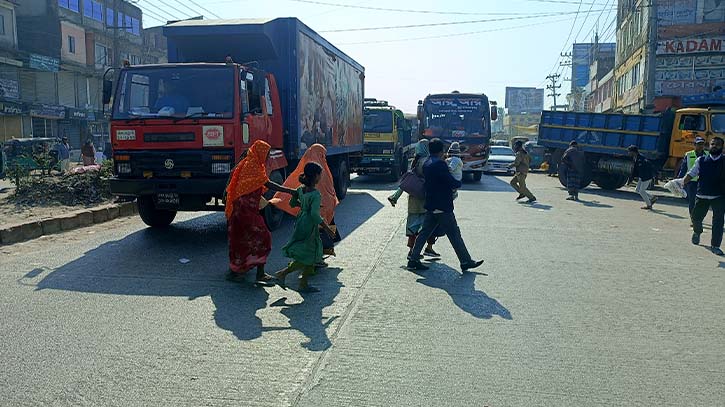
<point>578,304</point>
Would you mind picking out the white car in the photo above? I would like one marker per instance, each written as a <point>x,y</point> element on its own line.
<point>499,160</point>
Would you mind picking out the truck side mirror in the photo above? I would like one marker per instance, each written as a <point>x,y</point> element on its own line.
<point>494,113</point>
<point>107,91</point>
<point>420,113</point>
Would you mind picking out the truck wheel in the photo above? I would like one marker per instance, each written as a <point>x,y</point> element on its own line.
<point>272,215</point>
<point>156,218</point>
<point>343,180</point>
<point>610,181</point>
<point>477,176</point>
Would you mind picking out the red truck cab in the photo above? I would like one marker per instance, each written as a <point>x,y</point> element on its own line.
<point>179,129</point>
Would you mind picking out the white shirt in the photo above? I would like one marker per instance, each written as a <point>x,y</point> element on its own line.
<point>695,171</point>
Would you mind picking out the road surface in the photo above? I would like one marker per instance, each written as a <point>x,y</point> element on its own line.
<point>590,303</point>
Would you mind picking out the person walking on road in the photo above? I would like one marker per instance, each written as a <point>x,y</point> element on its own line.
<point>521,165</point>
<point>305,244</point>
<point>250,241</point>
<point>439,186</point>
<point>572,162</point>
<point>88,153</point>
<point>63,149</point>
<point>644,172</point>
<point>710,169</point>
<point>688,162</point>
<point>316,153</point>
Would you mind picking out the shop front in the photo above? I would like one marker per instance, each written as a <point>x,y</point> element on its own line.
<point>11,122</point>
<point>45,120</point>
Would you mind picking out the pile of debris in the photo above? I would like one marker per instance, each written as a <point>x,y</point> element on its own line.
<point>76,189</point>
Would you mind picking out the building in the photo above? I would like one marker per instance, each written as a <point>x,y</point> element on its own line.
<point>601,78</point>
<point>10,107</point>
<point>686,57</point>
<point>583,56</point>
<point>53,55</point>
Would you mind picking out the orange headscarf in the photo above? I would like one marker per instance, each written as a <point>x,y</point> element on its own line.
<point>249,175</point>
<point>316,153</point>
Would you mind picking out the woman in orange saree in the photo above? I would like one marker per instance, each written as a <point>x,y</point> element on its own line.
<point>315,153</point>
<point>249,238</point>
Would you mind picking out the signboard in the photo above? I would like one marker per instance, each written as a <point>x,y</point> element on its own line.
<point>9,89</point>
<point>213,136</point>
<point>48,111</point>
<point>580,61</point>
<point>676,12</point>
<point>44,63</point>
<point>524,100</point>
<point>10,109</point>
<point>685,87</point>
<point>76,114</point>
<point>690,46</point>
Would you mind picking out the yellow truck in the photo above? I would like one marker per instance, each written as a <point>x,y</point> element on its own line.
<point>387,140</point>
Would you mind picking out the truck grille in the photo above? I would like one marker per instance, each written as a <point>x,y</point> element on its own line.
<point>170,164</point>
<point>168,137</point>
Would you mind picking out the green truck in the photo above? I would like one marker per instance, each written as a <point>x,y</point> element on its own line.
<point>387,140</point>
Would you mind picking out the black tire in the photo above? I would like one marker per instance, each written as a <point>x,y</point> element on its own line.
<point>273,217</point>
<point>610,181</point>
<point>477,176</point>
<point>151,216</point>
<point>342,182</point>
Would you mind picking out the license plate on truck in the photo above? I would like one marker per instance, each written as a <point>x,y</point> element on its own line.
<point>167,199</point>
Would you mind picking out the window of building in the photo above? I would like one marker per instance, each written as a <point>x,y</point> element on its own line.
<point>119,20</point>
<point>135,60</point>
<point>88,8</point>
<point>128,24</point>
<point>72,5</point>
<point>109,17</point>
<point>97,10</point>
<point>635,74</point>
<point>103,57</point>
<point>135,26</point>
<point>2,24</point>
<point>71,44</point>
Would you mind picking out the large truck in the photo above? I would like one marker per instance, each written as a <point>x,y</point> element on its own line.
<point>462,117</point>
<point>604,137</point>
<point>387,140</point>
<point>178,129</point>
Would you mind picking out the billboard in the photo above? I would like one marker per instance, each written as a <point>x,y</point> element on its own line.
<point>524,100</point>
<point>676,12</point>
<point>581,58</point>
<point>331,98</point>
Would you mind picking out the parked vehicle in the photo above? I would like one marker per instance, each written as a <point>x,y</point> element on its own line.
<point>499,160</point>
<point>537,154</point>
<point>503,143</point>
<point>462,117</point>
<point>30,154</point>
<point>178,129</point>
<point>387,140</point>
<point>604,137</point>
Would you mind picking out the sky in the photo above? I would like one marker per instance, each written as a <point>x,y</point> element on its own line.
<point>406,64</point>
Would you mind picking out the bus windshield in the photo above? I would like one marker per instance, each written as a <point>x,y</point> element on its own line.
<point>200,92</point>
<point>464,116</point>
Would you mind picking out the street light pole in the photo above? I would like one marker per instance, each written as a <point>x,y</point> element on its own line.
<point>652,54</point>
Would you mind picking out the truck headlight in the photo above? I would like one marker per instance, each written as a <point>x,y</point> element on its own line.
<point>220,168</point>
<point>123,168</point>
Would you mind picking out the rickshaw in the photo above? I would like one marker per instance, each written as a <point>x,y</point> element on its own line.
<point>536,152</point>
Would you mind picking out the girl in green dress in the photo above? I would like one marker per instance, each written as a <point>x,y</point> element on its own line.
<point>305,245</point>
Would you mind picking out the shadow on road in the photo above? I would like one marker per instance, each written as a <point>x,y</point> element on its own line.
<point>462,290</point>
<point>306,316</point>
<point>147,263</point>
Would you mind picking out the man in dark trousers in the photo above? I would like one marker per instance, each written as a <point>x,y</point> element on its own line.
<point>439,187</point>
<point>644,172</point>
<point>688,162</point>
<point>709,169</point>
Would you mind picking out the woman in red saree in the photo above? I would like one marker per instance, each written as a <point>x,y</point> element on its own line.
<point>249,238</point>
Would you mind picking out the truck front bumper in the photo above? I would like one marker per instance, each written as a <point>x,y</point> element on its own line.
<point>213,187</point>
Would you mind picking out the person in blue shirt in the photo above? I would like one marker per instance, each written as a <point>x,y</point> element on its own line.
<point>173,99</point>
<point>439,187</point>
<point>63,149</point>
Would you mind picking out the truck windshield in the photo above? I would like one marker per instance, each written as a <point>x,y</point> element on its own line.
<point>378,121</point>
<point>718,123</point>
<point>200,92</point>
<point>456,116</point>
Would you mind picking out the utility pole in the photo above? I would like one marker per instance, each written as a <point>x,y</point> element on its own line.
<point>652,54</point>
<point>553,87</point>
<point>115,34</point>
